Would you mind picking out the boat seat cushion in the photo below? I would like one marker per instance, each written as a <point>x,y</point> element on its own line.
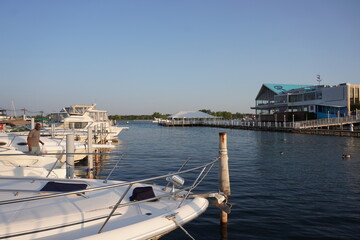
<point>142,193</point>
<point>63,187</point>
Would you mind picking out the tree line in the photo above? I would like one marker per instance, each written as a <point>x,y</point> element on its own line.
<point>222,114</point>
<point>225,114</point>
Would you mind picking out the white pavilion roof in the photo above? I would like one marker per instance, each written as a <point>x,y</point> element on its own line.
<point>192,114</point>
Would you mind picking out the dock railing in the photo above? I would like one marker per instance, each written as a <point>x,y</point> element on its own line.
<point>328,122</point>
<point>253,123</point>
<point>227,123</point>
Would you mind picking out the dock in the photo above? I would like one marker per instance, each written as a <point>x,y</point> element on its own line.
<point>342,126</point>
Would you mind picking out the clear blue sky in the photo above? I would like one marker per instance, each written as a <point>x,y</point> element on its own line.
<point>146,56</point>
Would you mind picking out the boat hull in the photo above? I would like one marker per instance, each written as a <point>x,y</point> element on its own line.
<point>79,217</point>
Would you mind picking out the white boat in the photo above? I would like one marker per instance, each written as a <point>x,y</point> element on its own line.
<point>56,146</point>
<point>77,119</point>
<point>96,209</point>
<point>19,164</point>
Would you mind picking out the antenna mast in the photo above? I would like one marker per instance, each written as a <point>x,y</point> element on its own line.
<point>13,108</point>
<point>318,79</point>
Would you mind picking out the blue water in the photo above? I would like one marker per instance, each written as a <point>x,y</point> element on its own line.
<point>309,192</point>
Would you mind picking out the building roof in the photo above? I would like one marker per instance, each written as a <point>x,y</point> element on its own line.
<point>281,88</point>
<point>268,90</point>
<point>192,114</point>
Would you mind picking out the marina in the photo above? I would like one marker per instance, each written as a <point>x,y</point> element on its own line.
<point>148,208</point>
<point>279,180</point>
<point>176,120</point>
<point>70,160</point>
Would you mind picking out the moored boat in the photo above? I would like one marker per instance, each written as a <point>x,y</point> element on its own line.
<point>56,146</point>
<point>46,208</point>
<point>77,119</point>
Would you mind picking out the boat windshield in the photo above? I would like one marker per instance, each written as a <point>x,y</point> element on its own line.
<point>77,109</point>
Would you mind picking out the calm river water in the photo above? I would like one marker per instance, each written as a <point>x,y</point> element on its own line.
<point>309,192</point>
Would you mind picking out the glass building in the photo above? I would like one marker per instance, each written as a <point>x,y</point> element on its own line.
<point>307,101</point>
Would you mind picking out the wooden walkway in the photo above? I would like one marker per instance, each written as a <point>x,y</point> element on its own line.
<point>319,128</point>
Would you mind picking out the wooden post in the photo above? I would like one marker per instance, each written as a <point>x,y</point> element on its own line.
<point>32,123</point>
<point>53,130</point>
<point>90,161</point>
<point>96,134</point>
<point>224,179</point>
<point>96,162</point>
<point>70,156</point>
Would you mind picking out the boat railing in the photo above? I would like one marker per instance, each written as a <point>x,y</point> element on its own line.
<point>204,169</point>
<point>174,193</point>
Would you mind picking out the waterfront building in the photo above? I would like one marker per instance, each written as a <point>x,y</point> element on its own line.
<point>276,102</point>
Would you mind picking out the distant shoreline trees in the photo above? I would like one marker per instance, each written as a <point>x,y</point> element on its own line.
<point>222,114</point>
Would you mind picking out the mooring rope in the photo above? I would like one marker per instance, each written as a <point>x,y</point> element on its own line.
<point>172,217</point>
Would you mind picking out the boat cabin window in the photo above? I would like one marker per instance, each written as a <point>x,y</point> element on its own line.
<point>76,125</point>
<point>3,143</point>
<point>58,117</point>
<point>77,110</point>
<point>99,116</point>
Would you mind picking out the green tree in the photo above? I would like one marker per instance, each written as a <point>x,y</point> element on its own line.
<point>115,117</point>
<point>159,115</point>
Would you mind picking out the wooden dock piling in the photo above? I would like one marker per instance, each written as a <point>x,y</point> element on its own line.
<point>70,156</point>
<point>224,178</point>
<point>90,161</point>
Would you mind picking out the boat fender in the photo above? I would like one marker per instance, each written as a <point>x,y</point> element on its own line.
<point>142,193</point>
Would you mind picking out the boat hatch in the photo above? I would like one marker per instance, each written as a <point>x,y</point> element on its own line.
<point>63,187</point>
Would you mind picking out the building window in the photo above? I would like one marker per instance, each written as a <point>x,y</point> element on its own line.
<point>296,98</point>
<point>280,99</point>
<point>318,95</point>
<point>309,96</point>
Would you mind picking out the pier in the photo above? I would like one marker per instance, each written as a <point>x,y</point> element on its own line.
<point>341,126</point>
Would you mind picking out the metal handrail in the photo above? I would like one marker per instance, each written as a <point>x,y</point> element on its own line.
<point>42,179</point>
<point>115,207</point>
<point>192,187</point>
<point>98,188</point>
<point>52,168</point>
<point>189,189</point>
<point>204,171</point>
<point>112,170</point>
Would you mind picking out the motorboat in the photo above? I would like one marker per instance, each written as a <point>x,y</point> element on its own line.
<point>45,208</point>
<point>19,164</point>
<point>77,119</point>
<point>55,146</point>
